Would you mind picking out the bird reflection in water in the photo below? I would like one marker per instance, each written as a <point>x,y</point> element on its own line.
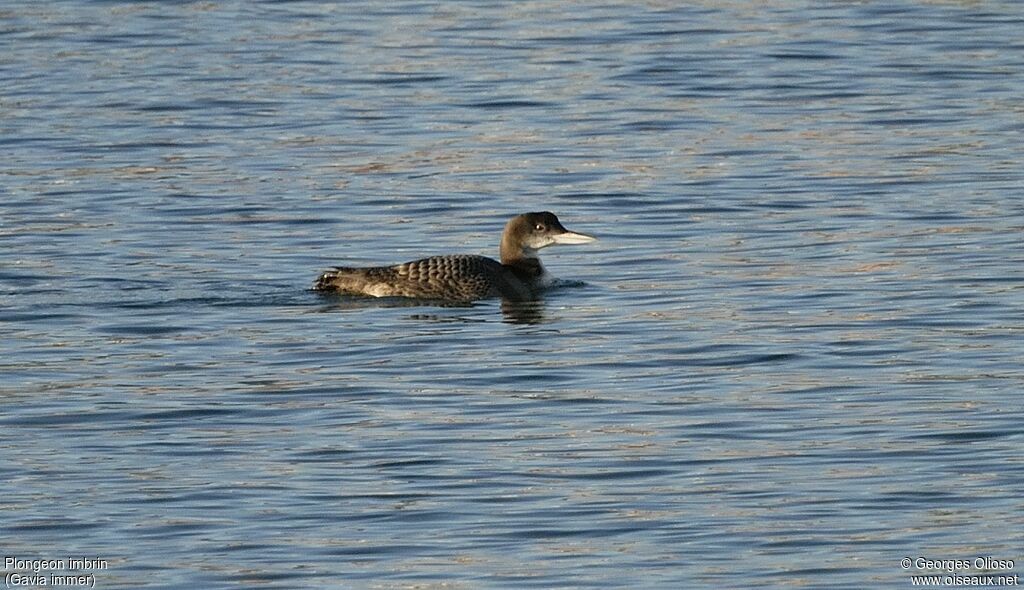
<point>513,312</point>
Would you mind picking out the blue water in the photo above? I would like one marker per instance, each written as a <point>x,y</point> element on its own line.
<point>792,359</point>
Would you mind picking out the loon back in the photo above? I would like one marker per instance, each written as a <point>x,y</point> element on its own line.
<point>459,277</point>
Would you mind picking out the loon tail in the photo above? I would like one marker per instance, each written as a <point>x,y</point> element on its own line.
<point>337,279</point>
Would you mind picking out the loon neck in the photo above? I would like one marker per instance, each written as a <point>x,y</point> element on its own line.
<point>527,269</point>
<point>517,256</point>
<point>512,246</point>
<point>512,249</point>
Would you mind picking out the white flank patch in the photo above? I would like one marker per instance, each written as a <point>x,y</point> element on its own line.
<point>378,290</point>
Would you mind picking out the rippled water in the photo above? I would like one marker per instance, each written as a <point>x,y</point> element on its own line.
<point>793,359</point>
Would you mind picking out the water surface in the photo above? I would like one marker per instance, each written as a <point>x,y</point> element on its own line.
<point>792,359</point>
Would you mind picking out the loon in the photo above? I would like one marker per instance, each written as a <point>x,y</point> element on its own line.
<point>465,277</point>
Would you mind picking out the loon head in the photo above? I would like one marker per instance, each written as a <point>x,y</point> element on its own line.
<point>525,234</point>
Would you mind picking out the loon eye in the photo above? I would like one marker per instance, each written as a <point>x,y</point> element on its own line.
<point>539,227</point>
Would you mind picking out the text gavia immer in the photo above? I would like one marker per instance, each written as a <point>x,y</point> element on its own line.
<point>464,277</point>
